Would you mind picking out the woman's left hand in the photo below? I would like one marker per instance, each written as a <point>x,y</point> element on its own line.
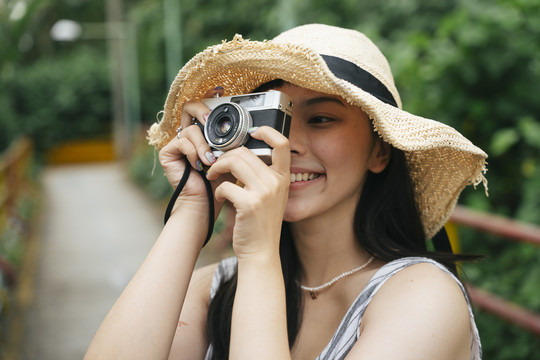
<point>261,198</point>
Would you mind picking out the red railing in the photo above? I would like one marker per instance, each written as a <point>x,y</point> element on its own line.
<point>512,230</point>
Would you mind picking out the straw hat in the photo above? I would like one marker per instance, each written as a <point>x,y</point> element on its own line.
<point>346,63</point>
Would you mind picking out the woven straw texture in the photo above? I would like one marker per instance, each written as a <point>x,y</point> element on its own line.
<point>441,161</point>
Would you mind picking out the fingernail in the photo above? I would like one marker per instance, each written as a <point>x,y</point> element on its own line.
<point>218,88</point>
<point>252,129</point>
<point>199,165</point>
<point>205,116</point>
<point>210,157</point>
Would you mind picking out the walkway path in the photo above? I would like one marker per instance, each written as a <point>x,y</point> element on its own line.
<point>97,229</point>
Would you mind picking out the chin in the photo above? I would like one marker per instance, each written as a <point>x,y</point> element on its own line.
<point>291,219</point>
<point>295,213</point>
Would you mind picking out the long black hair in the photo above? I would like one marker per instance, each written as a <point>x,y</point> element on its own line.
<point>386,224</point>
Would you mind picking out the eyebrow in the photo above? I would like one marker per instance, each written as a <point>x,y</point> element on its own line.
<point>321,99</point>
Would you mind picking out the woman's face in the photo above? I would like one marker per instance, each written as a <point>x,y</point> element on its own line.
<point>332,149</point>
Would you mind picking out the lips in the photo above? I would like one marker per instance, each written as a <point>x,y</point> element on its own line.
<point>296,177</point>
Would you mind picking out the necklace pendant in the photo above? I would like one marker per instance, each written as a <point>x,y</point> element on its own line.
<point>313,294</point>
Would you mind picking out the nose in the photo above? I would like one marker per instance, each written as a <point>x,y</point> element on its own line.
<point>297,137</point>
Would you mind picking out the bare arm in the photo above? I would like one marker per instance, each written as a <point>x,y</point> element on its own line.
<point>190,340</point>
<point>143,321</point>
<point>420,313</point>
<point>259,325</point>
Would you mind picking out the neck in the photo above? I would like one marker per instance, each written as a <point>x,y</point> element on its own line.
<point>326,251</point>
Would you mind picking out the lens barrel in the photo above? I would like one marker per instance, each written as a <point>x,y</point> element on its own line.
<point>227,126</point>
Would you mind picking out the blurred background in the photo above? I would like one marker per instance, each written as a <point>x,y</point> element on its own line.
<point>81,81</point>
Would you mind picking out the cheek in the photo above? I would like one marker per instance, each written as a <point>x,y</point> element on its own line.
<point>331,151</point>
<point>343,148</point>
<point>346,164</point>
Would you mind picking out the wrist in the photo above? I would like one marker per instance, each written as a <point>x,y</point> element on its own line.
<point>261,245</point>
<point>252,263</point>
<point>191,203</point>
<point>190,222</point>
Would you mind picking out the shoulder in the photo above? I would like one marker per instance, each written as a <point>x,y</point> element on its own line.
<point>423,287</point>
<point>421,279</point>
<point>198,294</point>
<point>420,301</point>
<point>206,280</point>
<point>201,280</point>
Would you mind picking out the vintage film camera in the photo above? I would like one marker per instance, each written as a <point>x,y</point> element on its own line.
<point>231,117</point>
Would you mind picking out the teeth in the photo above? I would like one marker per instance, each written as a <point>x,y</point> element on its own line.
<point>303,177</point>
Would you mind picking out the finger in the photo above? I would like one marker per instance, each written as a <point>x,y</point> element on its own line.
<point>228,191</point>
<point>197,110</point>
<point>240,166</point>
<point>218,91</point>
<point>194,134</point>
<point>190,144</point>
<point>281,151</point>
<point>194,110</point>
<point>255,163</point>
<point>178,149</point>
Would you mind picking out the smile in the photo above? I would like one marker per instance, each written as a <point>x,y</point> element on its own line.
<point>303,177</point>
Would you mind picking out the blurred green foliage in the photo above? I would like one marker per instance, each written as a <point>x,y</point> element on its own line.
<point>56,99</point>
<point>474,65</point>
<point>50,91</point>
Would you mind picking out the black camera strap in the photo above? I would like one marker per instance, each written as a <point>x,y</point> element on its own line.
<point>179,189</point>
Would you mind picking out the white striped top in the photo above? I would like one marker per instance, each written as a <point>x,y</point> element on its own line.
<point>348,331</point>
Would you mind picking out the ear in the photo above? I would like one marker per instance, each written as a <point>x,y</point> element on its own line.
<point>380,156</point>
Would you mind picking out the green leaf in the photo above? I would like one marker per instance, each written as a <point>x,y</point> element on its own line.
<point>503,140</point>
<point>530,130</point>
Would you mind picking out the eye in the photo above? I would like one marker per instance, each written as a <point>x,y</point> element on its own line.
<point>319,120</point>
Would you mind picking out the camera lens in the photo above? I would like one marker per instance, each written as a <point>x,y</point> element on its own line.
<point>224,126</point>
<point>227,125</point>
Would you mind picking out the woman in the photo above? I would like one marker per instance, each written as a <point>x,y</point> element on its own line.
<point>331,260</point>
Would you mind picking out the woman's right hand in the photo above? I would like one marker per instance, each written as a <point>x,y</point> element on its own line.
<point>190,148</point>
